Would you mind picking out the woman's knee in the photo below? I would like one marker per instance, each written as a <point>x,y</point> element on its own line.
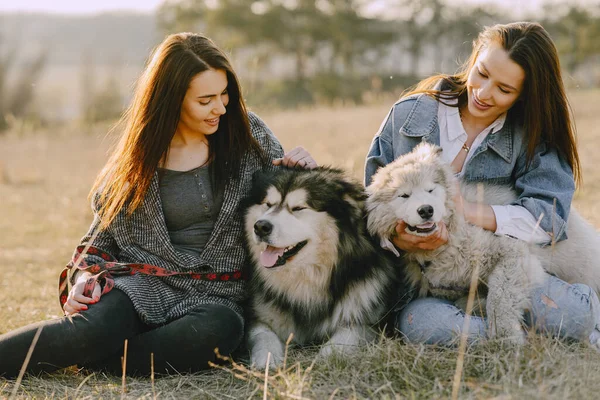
<point>565,310</point>
<point>218,325</point>
<point>436,321</point>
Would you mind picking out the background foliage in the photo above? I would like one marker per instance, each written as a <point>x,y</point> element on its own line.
<point>55,69</point>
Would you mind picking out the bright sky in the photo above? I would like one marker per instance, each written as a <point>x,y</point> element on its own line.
<point>78,6</point>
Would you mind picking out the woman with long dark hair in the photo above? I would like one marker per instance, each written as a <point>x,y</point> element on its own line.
<point>167,230</point>
<point>504,118</point>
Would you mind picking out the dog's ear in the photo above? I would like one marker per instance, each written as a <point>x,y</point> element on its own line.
<point>263,178</point>
<point>256,176</point>
<point>379,179</point>
<point>353,188</point>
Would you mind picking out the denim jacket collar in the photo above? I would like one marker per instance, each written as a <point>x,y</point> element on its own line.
<point>422,119</point>
<point>422,122</point>
<point>501,142</point>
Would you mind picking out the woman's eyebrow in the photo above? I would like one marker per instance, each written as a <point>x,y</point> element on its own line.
<point>500,83</point>
<point>209,95</point>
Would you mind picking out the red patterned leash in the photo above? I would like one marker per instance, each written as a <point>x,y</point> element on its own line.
<point>105,272</point>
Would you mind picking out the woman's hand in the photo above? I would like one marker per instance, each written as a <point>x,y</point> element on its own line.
<point>478,214</point>
<point>298,157</point>
<point>461,206</point>
<point>76,301</point>
<point>411,243</point>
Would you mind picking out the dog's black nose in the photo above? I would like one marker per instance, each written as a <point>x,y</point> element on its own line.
<point>263,228</point>
<point>425,211</point>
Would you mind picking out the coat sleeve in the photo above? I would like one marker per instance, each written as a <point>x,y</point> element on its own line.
<point>381,151</point>
<point>97,237</point>
<point>266,139</point>
<point>546,187</point>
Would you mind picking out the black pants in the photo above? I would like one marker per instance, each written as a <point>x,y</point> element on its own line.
<point>95,339</point>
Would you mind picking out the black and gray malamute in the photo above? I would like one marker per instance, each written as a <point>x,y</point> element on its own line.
<point>316,273</point>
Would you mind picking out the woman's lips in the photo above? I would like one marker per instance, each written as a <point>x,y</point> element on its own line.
<point>212,122</point>
<point>479,104</point>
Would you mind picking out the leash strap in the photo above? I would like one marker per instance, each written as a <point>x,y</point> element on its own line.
<point>105,271</point>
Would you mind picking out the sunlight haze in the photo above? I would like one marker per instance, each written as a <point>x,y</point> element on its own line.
<point>92,7</point>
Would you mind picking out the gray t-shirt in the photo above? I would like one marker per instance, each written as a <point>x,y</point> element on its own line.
<point>190,207</point>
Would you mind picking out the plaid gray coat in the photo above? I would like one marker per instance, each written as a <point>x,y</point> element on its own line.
<point>143,238</point>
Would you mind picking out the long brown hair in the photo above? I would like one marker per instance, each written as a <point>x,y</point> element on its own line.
<point>152,118</point>
<point>542,108</point>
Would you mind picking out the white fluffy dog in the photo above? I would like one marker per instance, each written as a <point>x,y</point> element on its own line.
<point>418,188</point>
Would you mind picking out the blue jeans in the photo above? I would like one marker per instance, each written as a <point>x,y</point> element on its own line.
<point>557,308</point>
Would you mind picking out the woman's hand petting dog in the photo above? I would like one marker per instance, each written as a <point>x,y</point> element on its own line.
<point>76,301</point>
<point>411,243</point>
<point>298,157</point>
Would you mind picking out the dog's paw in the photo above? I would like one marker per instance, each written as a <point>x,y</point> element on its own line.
<point>345,341</point>
<point>259,360</point>
<point>514,335</point>
<point>264,346</point>
<point>330,349</point>
<point>517,338</point>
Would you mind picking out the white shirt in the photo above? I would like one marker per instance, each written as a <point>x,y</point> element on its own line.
<point>511,220</point>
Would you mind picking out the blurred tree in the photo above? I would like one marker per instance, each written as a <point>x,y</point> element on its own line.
<point>441,29</point>
<point>180,15</point>
<point>576,31</point>
<point>23,91</point>
<point>351,34</point>
<point>338,45</point>
<point>87,86</point>
<point>295,28</point>
<point>16,100</point>
<point>292,28</point>
<point>6,61</point>
<point>421,24</point>
<point>462,26</point>
<point>107,103</point>
<point>99,103</point>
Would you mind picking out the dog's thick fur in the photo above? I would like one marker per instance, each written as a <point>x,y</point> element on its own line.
<point>418,188</point>
<point>576,260</point>
<point>315,272</point>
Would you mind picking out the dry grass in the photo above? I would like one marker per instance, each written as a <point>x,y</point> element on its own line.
<point>44,180</point>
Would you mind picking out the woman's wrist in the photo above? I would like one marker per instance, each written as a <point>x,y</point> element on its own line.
<point>81,276</point>
<point>480,214</point>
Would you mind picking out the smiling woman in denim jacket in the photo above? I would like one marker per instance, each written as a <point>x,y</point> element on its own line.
<point>503,118</point>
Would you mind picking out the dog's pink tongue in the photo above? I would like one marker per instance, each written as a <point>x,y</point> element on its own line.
<point>269,257</point>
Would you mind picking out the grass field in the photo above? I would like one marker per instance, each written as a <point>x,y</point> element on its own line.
<point>44,181</point>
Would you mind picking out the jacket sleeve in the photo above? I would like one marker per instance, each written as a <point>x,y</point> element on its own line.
<point>546,187</point>
<point>381,151</point>
<point>97,237</point>
<point>266,139</point>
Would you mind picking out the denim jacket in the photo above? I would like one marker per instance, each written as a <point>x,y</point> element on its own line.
<point>501,159</point>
